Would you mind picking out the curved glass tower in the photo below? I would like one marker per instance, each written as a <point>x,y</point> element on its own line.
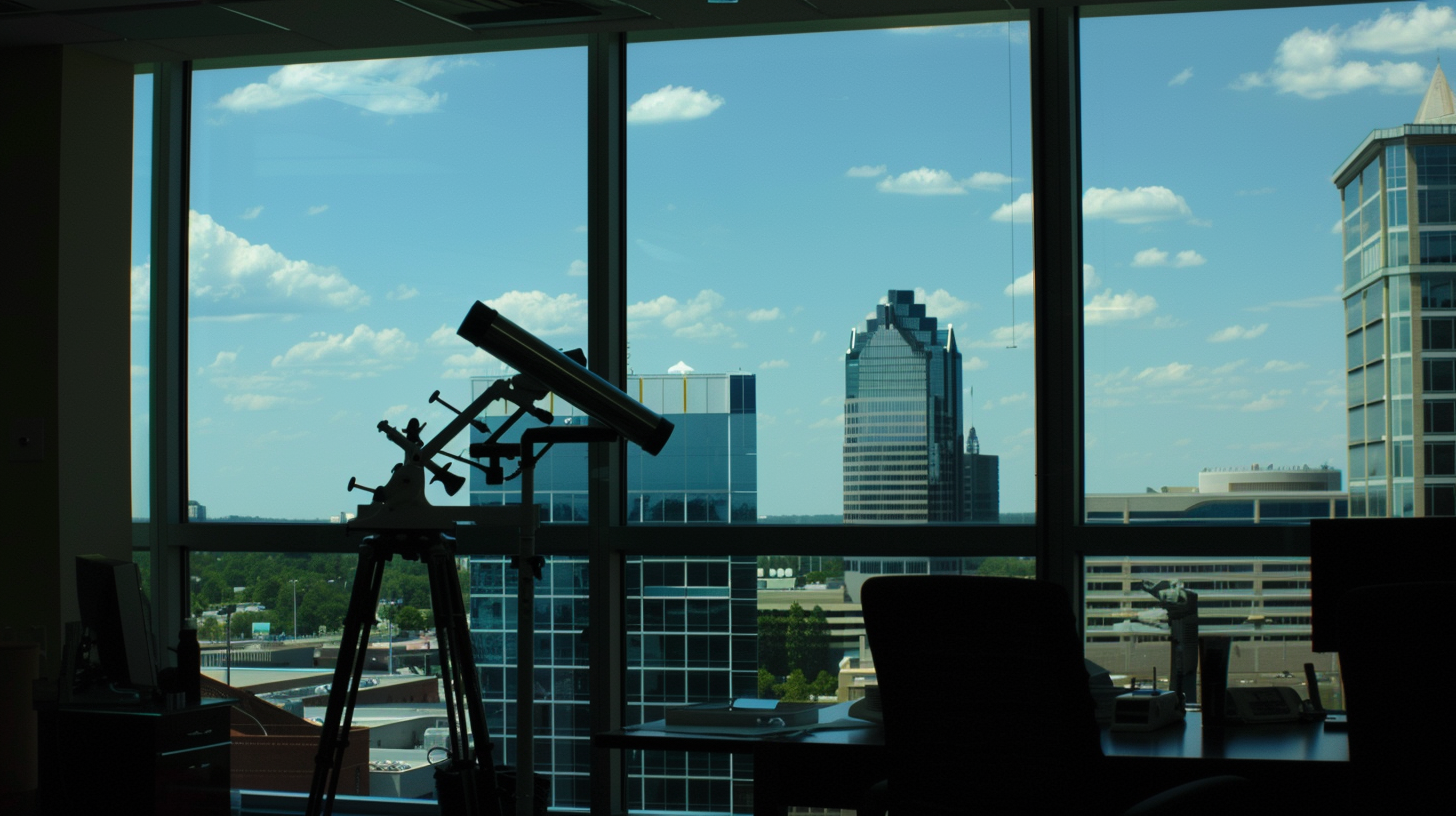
<point>1399,194</point>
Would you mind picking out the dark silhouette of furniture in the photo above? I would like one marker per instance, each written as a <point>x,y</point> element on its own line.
<point>987,707</point>
<point>1395,656</point>
<point>137,761</point>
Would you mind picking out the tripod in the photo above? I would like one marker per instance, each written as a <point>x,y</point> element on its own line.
<point>467,782</point>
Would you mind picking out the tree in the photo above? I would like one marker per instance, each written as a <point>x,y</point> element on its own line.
<point>794,689</point>
<point>772,629</point>
<point>1008,567</point>
<point>825,685</point>
<point>410,618</point>
<point>766,682</point>
<point>209,629</point>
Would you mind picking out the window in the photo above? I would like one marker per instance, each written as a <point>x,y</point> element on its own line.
<point>1207,321</point>
<point>331,259</point>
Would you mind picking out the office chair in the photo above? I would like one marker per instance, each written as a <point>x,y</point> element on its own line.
<point>1395,658</point>
<point>987,707</point>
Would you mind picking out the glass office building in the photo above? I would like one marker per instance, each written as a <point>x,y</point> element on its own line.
<point>1399,194</point>
<point>691,619</point>
<point>902,418</point>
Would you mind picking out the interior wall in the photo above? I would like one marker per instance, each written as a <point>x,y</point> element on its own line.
<point>66,227</point>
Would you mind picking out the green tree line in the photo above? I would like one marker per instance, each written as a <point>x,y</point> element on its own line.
<point>792,647</point>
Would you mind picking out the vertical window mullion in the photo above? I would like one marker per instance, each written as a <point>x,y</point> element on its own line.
<point>171,115</point>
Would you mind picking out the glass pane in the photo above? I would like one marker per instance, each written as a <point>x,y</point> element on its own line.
<point>141,290</point>
<point>345,218</point>
<point>1262,604</point>
<point>704,629</point>
<point>890,213</point>
<point>1218,240</point>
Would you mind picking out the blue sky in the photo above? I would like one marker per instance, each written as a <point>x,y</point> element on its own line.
<point>346,216</point>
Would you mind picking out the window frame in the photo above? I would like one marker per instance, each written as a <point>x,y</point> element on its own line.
<point>1059,540</point>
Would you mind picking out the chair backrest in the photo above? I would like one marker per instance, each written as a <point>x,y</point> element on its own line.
<point>979,678</point>
<point>1395,656</point>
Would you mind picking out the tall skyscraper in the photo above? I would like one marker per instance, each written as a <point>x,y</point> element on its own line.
<point>1399,194</point>
<point>692,621</point>
<point>902,418</point>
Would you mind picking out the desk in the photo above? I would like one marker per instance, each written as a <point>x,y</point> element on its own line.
<point>832,768</point>
<point>136,760</point>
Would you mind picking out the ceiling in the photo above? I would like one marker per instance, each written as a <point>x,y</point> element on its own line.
<point>164,30</point>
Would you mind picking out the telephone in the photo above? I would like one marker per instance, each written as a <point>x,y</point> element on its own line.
<point>1267,704</point>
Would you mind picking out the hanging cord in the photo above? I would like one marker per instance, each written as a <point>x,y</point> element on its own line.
<point>1011,168</point>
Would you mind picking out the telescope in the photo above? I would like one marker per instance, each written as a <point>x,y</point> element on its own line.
<point>492,332</point>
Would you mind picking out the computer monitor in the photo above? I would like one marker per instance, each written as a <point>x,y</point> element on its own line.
<point>114,611</point>
<point>1355,552</point>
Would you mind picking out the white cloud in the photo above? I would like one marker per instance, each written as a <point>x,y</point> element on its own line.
<point>1138,206</point>
<point>1311,302</point>
<point>141,288</point>
<point>1237,333</point>
<point>1157,257</point>
<point>1150,257</point>
<point>1005,337</point>
<point>986,180</point>
<point>1313,64</point>
<point>1268,402</point>
<point>1281,367</point>
<point>693,320</point>
<point>446,336</point>
<point>225,268</point>
<point>818,335</point>
<point>672,103</point>
<point>1107,308</point>
<point>542,314</point>
<point>866,171</point>
<point>974,364</point>
<point>1167,322</point>
<point>1182,77</point>
<point>252,212</point>
<point>403,292</point>
<point>940,303</point>
<point>767,364</point>
<point>361,348</point>
<point>322,208</point>
<point>473,363</point>
<point>922,182</point>
<point>257,402</point>
<point>395,410</point>
<point>577,269</point>
<point>388,86</point>
<point>1018,211</point>
<point>828,422</point>
<point>764,315</point>
<point>1012,399</point>
<point>1172,372</point>
<point>1188,258</point>
<point>224,360</point>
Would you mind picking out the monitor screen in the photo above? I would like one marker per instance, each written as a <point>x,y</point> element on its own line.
<point>1349,553</point>
<point>114,611</point>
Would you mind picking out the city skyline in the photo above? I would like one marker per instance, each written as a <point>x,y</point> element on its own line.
<point>318,306</point>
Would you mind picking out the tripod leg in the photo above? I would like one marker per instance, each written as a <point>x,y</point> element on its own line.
<point>464,690</point>
<point>353,649</point>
